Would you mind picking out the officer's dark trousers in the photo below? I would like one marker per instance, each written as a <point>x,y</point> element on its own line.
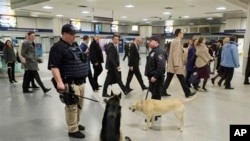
<point>111,76</point>
<point>156,88</point>
<point>97,71</point>
<point>181,80</point>
<point>137,73</point>
<point>228,76</point>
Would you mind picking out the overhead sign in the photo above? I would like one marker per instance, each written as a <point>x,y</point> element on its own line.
<point>235,31</point>
<point>102,19</point>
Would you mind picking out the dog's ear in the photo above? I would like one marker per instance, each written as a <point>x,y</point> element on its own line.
<point>120,95</point>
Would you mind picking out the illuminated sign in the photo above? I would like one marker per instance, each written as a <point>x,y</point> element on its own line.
<point>7,21</point>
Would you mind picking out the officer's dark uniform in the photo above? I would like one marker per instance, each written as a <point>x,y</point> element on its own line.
<point>155,67</point>
<point>73,69</point>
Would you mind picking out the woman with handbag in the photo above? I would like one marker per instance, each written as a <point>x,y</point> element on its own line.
<point>10,59</point>
<point>202,61</point>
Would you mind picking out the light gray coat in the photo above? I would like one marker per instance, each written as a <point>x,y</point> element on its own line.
<point>29,53</point>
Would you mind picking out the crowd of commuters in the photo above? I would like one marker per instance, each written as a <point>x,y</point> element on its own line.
<point>70,64</point>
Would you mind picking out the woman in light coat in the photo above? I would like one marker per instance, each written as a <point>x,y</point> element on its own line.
<point>202,61</point>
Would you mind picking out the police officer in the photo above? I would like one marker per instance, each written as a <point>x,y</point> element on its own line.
<point>69,69</point>
<point>155,67</point>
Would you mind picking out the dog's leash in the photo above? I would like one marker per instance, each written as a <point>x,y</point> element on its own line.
<point>147,94</point>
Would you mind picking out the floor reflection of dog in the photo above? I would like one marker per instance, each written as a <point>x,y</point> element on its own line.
<point>152,108</point>
<point>111,120</point>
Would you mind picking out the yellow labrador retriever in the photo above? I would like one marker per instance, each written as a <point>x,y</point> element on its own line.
<point>152,108</point>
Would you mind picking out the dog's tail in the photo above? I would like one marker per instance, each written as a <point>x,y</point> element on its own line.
<point>190,99</point>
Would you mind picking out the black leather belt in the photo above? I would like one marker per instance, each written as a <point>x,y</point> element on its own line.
<point>76,81</point>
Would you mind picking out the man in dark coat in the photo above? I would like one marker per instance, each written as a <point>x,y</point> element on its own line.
<point>96,57</point>
<point>113,67</point>
<point>133,63</point>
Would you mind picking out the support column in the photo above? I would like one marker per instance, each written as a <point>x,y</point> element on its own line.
<point>57,24</point>
<point>145,31</point>
<point>246,44</point>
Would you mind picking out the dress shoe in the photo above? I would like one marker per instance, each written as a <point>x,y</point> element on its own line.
<point>14,81</point>
<point>212,80</point>
<point>46,90</point>
<point>128,91</point>
<point>81,127</point>
<point>219,83</point>
<point>105,95</point>
<point>229,88</point>
<point>27,91</point>
<point>204,89</point>
<point>77,134</point>
<point>34,87</point>
<point>191,94</point>
<point>246,83</point>
<point>165,94</point>
<point>144,88</point>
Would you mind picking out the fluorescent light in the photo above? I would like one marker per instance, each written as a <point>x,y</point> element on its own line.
<point>134,27</point>
<point>85,12</point>
<point>166,13</point>
<point>147,22</point>
<point>185,17</point>
<point>145,19</point>
<point>129,6</point>
<point>210,18</point>
<point>59,15</point>
<point>221,8</point>
<point>48,7</point>
<point>124,17</point>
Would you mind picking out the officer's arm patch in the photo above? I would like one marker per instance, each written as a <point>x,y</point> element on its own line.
<point>160,57</point>
<point>152,54</point>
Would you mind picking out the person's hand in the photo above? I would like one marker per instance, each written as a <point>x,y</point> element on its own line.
<point>118,68</point>
<point>153,79</point>
<point>61,86</point>
<point>131,68</point>
<point>96,64</point>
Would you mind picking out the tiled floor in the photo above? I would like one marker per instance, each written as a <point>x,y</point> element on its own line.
<point>39,117</point>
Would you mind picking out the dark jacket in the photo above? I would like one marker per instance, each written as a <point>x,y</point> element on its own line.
<point>95,53</point>
<point>29,53</point>
<point>9,54</point>
<point>190,62</point>
<point>156,62</point>
<point>134,56</point>
<point>112,61</point>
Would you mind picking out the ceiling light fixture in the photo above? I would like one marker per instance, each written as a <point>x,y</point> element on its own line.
<point>166,13</point>
<point>48,7</point>
<point>85,12</point>
<point>185,17</point>
<point>59,15</point>
<point>145,19</point>
<point>124,17</point>
<point>221,8</point>
<point>210,18</point>
<point>129,6</point>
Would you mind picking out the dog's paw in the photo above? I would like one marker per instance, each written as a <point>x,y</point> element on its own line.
<point>179,129</point>
<point>145,128</point>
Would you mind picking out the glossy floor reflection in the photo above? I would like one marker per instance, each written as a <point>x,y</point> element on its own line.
<point>39,117</point>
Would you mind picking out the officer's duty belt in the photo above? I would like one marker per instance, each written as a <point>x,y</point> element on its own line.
<point>76,81</point>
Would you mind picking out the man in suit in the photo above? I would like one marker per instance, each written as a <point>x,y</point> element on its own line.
<point>113,67</point>
<point>29,53</point>
<point>96,57</point>
<point>176,65</point>
<point>134,62</point>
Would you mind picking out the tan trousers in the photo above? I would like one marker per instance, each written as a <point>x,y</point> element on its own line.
<point>72,112</point>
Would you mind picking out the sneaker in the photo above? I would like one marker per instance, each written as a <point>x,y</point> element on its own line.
<point>81,127</point>
<point>128,91</point>
<point>76,134</point>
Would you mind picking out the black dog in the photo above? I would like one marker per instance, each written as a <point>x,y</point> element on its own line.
<point>111,119</point>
